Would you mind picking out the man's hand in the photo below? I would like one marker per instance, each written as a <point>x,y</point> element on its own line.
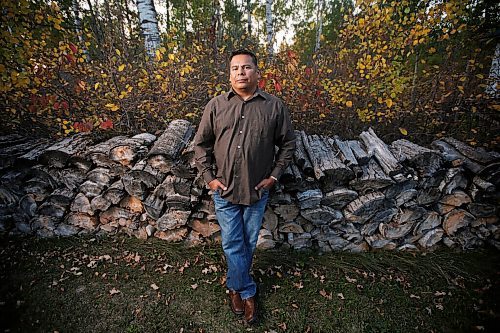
<point>216,184</point>
<point>266,184</point>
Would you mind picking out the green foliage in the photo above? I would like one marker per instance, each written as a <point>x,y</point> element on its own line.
<point>420,66</point>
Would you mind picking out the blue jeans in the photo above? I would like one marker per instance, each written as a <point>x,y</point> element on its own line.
<point>240,227</point>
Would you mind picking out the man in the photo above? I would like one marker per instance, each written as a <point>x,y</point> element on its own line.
<point>237,135</point>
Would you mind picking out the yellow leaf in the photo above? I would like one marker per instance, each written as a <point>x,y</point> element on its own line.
<point>348,104</point>
<point>403,131</point>
<point>171,56</point>
<point>388,102</point>
<point>96,85</point>
<point>121,67</point>
<point>112,107</point>
<point>118,52</point>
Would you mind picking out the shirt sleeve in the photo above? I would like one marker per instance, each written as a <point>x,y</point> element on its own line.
<point>284,138</point>
<point>204,144</point>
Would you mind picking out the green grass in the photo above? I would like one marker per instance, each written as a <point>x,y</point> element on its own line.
<point>65,285</point>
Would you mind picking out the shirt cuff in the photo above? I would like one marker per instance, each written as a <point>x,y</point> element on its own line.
<point>276,173</point>
<point>208,176</point>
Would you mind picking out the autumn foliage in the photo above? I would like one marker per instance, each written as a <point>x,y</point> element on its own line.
<point>405,67</point>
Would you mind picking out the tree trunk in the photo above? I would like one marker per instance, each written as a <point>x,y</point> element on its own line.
<point>269,28</point>
<point>319,24</point>
<point>249,18</point>
<point>78,21</point>
<point>149,26</point>
<point>494,76</point>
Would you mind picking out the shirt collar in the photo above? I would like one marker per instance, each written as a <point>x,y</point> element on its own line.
<point>257,92</point>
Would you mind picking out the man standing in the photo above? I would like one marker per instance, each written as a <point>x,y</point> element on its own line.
<point>235,153</point>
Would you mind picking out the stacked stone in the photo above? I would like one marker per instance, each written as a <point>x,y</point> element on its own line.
<point>340,195</point>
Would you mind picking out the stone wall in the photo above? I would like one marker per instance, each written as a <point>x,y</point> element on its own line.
<point>348,195</point>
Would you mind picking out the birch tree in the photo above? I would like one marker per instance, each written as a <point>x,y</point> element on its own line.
<point>494,76</point>
<point>269,27</point>
<point>319,24</point>
<point>249,17</point>
<point>149,25</point>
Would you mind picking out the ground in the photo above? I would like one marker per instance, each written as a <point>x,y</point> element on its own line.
<point>122,284</point>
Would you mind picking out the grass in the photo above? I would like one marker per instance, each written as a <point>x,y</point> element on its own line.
<point>128,285</point>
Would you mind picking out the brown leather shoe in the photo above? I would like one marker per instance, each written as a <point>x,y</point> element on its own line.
<point>250,310</point>
<point>236,303</point>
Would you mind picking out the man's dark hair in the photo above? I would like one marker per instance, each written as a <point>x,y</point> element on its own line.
<point>243,51</point>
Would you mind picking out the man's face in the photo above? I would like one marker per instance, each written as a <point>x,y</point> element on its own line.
<point>244,75</point>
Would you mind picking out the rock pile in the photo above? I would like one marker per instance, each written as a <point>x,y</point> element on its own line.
<point>349,195</point>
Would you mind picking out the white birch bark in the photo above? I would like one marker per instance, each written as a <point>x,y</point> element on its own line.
<point>269,27</point>
<point>249,18</point>
<point>149,26</point>
<point>319,24</point>
<point>494,77</point>
<point>78,21</point>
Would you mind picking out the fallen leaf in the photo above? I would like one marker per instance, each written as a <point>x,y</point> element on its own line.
<point>186,265</point>
<point>194,286</point>
<point>340,295</point>
<point>154,286</point>
<point>114,291</point>
<point>414,296</point>
<point>325,294</point>
<point>350,280</point>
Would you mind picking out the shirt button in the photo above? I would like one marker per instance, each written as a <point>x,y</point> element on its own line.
<point>242,117</point>
<point>241,132</point>
<point>239,147</point>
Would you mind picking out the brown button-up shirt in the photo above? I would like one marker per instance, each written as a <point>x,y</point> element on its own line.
<point>238,137</point>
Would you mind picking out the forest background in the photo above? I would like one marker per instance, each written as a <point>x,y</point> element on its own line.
<point>411,68</point>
